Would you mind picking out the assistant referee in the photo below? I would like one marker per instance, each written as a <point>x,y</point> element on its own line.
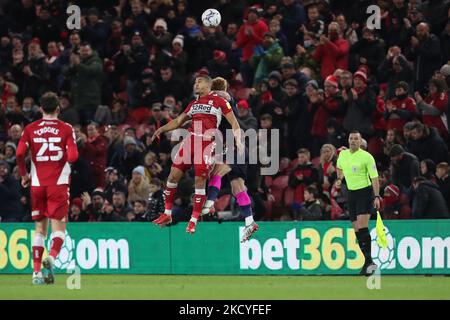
<point>358,168</point>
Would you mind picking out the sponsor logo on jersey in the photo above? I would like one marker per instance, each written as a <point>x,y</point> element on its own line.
<point>46,130</point>
<point>201,108</point>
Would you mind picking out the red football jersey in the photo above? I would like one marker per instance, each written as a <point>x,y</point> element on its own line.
<point>206,112</point>
<point>52,146</point>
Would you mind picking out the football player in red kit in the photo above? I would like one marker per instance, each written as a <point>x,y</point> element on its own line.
<point>197,149</point>
<point>52,146</point>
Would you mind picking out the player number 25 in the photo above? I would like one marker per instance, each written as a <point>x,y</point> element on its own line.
<point>48,145</point>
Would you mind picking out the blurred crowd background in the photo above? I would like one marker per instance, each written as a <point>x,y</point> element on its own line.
<point>311,69</point>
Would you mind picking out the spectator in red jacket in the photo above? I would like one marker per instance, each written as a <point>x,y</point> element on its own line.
<point>401,109</point>
<point>434,107</point>
<point>250,35</point>
<point>95,151</point>
<point>332,52</point>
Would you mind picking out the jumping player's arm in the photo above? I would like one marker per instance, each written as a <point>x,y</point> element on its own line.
<point>172,125</point>
<point>21,153</point>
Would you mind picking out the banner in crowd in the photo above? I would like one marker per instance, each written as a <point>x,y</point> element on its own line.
<point>328,247</point>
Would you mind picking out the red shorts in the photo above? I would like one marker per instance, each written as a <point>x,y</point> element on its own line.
<point>51,202</point>
<point>197,152</point>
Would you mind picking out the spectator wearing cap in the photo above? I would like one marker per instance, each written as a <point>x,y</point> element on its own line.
<point>67,112</point>
<point>428,202</point>
<point>146,92</point>
<point>129,158</point>
<point>85,76</point>
<point>250,34</point>
<point>45,28</point>
<point>35,72</point>
<point>266,57</point>
<point>433,108</point>
<point>298,118</point>
<point>95,151</point>
<point>133,57</point>
<point>428,144</point>
<point>369,51</point>
<point>276,90</point>
<point>178,57</point>
<point>10,154</point>
<point>443,181</point>
<point>400,109</point>
<point>11,209</point>
<point>393,69</point>
<point>219,66</point>
<point>426,53</point>
<point>159,39</point>
<point>361,107</point>
<point>114,183</point>
<point>138,187</point>
<point>332,52</point>
<point>93,205</point>
<point>292,15</point>
<point>245,116</point>
<point>405,167</point>
<point>95,31</point>
<point>392,207</point>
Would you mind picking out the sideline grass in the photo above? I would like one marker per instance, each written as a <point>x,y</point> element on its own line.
<point>227,287</point>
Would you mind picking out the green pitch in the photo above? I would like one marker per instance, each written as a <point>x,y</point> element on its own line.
<point>227,287</point>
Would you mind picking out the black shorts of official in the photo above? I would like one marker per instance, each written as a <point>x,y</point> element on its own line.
<point>360,202</point>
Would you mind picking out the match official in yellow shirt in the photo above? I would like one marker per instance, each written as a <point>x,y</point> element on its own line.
<point>359,170</point>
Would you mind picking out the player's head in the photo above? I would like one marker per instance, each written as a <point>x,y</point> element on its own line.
<point>49,103</point>
<point>202,84</point>
<point>219,84</point>
<point>354,140</point>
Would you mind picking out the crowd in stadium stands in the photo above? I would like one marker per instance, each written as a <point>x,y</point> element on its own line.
<point>310,68</point>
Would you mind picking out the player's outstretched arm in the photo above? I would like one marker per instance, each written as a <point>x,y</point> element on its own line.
<point>236,131</point>
<point>172,125</point>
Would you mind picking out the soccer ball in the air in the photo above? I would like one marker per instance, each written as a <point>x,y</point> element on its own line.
<point>211,18</point>
<point>383,257</point>
<point>64,260</point>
